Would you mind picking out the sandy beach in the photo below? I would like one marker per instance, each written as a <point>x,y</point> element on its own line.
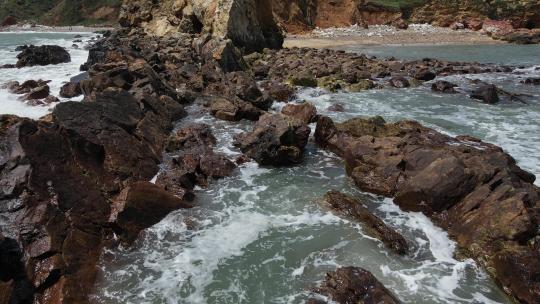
<point>386,35</point>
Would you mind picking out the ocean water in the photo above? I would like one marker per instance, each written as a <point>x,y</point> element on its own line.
<point>58,74</point>
<point>262,236</point>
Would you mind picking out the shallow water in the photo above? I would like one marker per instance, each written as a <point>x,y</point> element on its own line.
<point>58,74</point>
<point>261,236</point>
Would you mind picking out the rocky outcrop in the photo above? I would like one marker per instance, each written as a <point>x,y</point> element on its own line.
<point>70,90</point>
<point>305,112</point>
<point>486,93</point>
<point>471,188</point>
<point>276,139</point>
<point>42,55</point>
<point>355,285</point>
<point>248,23</point>
<point>350,207</point>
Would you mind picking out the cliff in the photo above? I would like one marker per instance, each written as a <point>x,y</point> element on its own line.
<point>61,12</point>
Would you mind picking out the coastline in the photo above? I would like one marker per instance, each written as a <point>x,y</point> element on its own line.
<point>388,36</point>
<point>53,29</point>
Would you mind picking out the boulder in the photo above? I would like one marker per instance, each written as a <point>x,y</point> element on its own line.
<point>70,90</point>
<point>424,75</point>
<point>486,93</point>
<point>42,55</point>
<point>352,208</point>
<point>233,109</point>
<point>278,91</point>
<point>474,24</point>
<point>40,92</point>
<point>535,81</point>
<point>276,139</point>
<point>471,188</point>
<point>141,205</point>
<point>305,112</point>
<point>497,28</point>
<point>399,82</point>
<point>355,285</point>
<point>443,86</point>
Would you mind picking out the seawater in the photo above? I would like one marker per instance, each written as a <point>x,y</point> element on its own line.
<point>262,236</point>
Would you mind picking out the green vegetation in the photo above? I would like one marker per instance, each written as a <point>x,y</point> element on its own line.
<point>61,12</point>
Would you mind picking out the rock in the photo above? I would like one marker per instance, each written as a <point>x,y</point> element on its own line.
<point>7,66</point>
<point>443,86</point>
<point>522,36</point>
<point>304,80</point>
<point>50,99</point>
<point>276,139</point>
<point>472,189</point>
<point>362,85</point>
<point>42,55</point>
<point>474,24</point>
<point>535,81</point>
<point>8,21</point>
<point>400,24</point>
<point>486,93</point>
<point>355,285</point>
<point>330,83</point>
<point>233,110</point>
<point>336,108</point>
<point>27,86</point>
<point>305,112</point>
<point>399,82</point>
<point>497,28</point>
<point>248,23</point>
<point>41,92</point>
<point>457,26</point>
<point>70,90</point>
<point>424,75</point>
<point>142,205</point>
<point>278,91</point>
<point>225,53</point>
<point>373,225</point>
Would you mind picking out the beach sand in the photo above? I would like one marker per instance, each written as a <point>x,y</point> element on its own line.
<point>386,35</point>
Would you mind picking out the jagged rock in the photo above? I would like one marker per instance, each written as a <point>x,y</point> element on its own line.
<point>70,90</point>
<point>486,93</point>
<point>278,91</point>
<point>471,188</point>
<point>40,92</point>
<point>233,110</point>
<point>248,23</point>
<point>142,205</point>
<point>305,112</point>
<point>399,82</point>
<point>42,55</point>
<point>355,285</point>
<point>276,139</point>
<point>373,225</point>
<point>443,86</point>
<point>535,81</point>
<point>425,75</point>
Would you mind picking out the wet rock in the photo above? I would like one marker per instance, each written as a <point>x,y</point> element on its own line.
<point>142,205</point>
<point>303,80</point>
<point>424,75</point>
<point>399,82</point>
<point>373,225</point>
<point>198,136</point>
<point>443,86</point>
<point>40,92</point>
<point>355,285</point>
<point>7,66</point>
<point>336,108</point>
<point>330,83</point>
<point>535,81</point>
<point>276,139</point>
<point>27,86</point>
<point>486,93</point>
<point>233,110</point>
<point>362,85</point>
<point>305,112</point>
<point>472,189</point>
<point>42,55</point>
<point>278,91</point>
<point>70,90</point>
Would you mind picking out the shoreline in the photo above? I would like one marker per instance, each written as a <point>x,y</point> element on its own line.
<point>54,29</point>
<point>388,36</point>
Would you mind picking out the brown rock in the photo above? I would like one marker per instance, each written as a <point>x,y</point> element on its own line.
<point>486,93</point>
<point>305,112</point>
<point>70,90</point>
<point>355,285</point>
<point>374,226</point>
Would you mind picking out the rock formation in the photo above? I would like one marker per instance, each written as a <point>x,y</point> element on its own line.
<point>248,23</point>
<point>42,55</point>
<point>472,189</point>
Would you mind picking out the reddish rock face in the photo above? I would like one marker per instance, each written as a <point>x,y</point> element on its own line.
<point>8,20</point>
<point>355,285</point>
<point>497,28</point>
<point>471,188</point>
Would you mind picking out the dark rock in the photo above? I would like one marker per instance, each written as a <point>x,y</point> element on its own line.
<point>275,140</point>
<point>8,21</point>
<point>234,110</point>
<point>142,205</point>
<point>41,92</point>
<point>336,108</point>
<point>373,225</point>
<point>443,86</point>
<point>70,90</point>
<point>305,112</point>
<point>486,93</point>
<point>7,66</point>
<point>42,55</point>
<point>425,75</point>
<point>278,91</point>
<point>399,82</point>
<point>535,81</point>
<point>355,285</point>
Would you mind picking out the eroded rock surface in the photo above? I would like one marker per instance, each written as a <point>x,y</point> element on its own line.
<point>473,189</point>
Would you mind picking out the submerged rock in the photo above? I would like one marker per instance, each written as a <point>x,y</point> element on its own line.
<point>276,139</point>
<point>349,285</point>
<point>373,225</point>
<point>42,55</point>
<point>443,86</point>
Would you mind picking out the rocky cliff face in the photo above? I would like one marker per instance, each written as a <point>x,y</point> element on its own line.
<point>248,23</point>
